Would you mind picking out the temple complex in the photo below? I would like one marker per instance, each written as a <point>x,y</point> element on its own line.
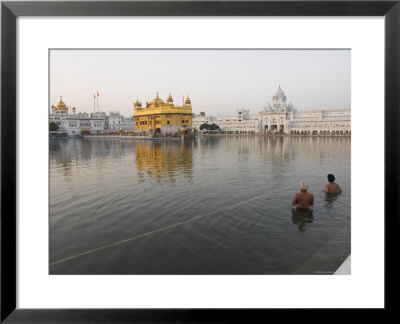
<point>286,119</point>
<point>281,117</point>
<point>160,117</point>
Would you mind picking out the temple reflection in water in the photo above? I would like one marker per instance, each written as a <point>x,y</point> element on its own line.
<point>159,160</point>
<point>230,196</point>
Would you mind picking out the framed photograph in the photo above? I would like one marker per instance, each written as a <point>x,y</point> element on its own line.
<point>197,159</point>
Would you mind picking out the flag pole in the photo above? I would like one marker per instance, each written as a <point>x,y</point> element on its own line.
<point>98,108</point>
<point>94,104</point>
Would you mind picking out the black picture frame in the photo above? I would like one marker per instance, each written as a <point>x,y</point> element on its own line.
<point>10,10</point>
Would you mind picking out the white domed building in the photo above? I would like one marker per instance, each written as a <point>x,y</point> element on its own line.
<point>284,118</point>
<point>76,124</point>
<point>276,117</point>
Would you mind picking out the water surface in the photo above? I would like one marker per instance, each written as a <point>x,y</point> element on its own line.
<point>214,205</point>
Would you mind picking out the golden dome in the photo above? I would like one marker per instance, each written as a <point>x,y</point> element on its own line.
<point>157,101</point>
<point>61,105</point>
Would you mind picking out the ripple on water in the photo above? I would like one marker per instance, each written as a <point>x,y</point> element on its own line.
<point>238,189</point>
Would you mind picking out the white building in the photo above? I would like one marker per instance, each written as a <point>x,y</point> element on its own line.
<point>242,123</point>
<point>82,124</point>
<point>198,120</point>
<point>115,122</point>
<point>281,117</point>
<point>76,123</point>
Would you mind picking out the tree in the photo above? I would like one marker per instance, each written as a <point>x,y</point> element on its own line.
<point>214,127</point>
<point>203,126</point>
<point>209,127</point>
<point>53,127</point>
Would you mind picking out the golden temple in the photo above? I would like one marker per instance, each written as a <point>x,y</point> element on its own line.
<point>160,117</point>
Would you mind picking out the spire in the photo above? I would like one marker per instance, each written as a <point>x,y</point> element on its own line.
<point>169,99</point>
<point>187,101</point>
<point>157,95</point>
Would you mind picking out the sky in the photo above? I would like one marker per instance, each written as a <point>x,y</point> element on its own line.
<point>218,82</point>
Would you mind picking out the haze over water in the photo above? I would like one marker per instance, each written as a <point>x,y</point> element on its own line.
<point>214,205</point>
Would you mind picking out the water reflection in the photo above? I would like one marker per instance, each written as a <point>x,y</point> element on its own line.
<point>330,198</point>
<point>301,218</point>
<point>163,160</point>
<point>107,190</point>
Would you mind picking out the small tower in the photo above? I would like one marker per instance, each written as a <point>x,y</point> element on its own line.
<point>169,99</point>
<point>73,110</point>
<point>137,104</point>
<point>187,101</point>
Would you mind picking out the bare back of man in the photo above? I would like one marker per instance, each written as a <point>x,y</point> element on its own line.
<point>332,188</point>
<point>303,200</point>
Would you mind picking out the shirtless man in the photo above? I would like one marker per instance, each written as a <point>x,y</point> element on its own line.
<point>303,200</point>
<point>332,187</point>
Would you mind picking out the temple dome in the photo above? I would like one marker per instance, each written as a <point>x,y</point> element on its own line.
<point>279,92</point>
<point>61,105</point>
<point>157,100</point>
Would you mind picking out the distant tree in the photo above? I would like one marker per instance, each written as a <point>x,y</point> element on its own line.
<point>53,126</point>
<point>209,127</point>
<point>214,127</point>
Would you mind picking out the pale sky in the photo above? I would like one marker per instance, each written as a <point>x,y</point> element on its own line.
<point>217,81</point>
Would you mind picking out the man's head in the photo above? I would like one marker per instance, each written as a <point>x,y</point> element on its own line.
<point>331,178</point>
<point>303,186</point>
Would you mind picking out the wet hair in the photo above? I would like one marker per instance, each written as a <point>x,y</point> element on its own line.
<point>331,177</point>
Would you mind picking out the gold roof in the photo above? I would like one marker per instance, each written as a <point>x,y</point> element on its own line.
<point>158,100</point>
<point>61,105</point>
